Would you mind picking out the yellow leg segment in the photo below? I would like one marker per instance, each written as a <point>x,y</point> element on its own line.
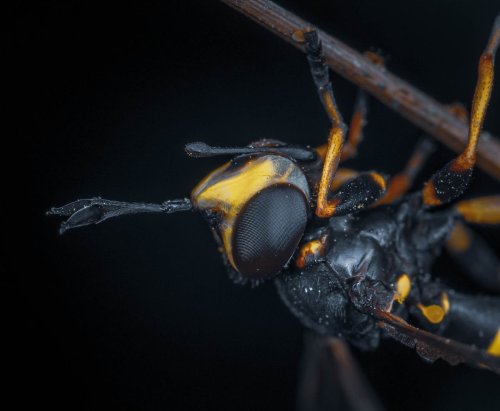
<point>450,182</point>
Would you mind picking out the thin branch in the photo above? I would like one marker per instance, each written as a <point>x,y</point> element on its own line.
<point>417,107</point>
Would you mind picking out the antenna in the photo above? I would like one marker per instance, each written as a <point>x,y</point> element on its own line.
<point>199,150</point>
<point>95,210</point>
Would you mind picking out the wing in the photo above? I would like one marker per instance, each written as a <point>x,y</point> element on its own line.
<point>431,346</point>
<point>331,380</point>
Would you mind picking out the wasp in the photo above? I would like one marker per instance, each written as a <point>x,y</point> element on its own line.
<point>351,253</point>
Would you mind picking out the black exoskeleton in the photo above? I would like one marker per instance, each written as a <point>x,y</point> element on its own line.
<point>364,256</point>
<point>351,252</point>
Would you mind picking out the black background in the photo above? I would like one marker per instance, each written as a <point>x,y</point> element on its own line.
<point>138,313</point>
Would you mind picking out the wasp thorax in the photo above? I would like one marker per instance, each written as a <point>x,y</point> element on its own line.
<point>261,205</point>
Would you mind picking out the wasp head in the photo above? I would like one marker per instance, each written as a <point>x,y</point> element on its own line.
<point>257,205</point>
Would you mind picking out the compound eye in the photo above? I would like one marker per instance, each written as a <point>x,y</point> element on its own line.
<point>268,230</point>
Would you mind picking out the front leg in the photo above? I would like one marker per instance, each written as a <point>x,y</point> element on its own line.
<point>363,190</point>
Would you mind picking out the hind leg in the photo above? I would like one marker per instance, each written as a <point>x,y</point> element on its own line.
<point>401,182</point>
<point>478,261</point>
<point>451,181</point>
<point>475,257</point>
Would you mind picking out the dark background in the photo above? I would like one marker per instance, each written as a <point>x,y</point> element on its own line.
<point>138,313</point>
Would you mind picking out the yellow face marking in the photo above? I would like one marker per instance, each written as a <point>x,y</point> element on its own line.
<point>227,191</point>
<point>494,348</point>
<point>236,189</point>
<point>403,288</point>
<point>231,194</point>
<point>433,313</point>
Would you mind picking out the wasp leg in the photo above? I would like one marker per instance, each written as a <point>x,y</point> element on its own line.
<point>482,210</point>
<point>474,256</point>
<point>355,191</point>
<point>355,130</point>
<point>401,182</point>
<point>333,152</point>
<point>342,176</point>
<point>366,188</point>
<point>357,194</point>
<point>321,77</point>
<point>331,380</point>
<point>471,252</point>
<point>452,180</point>
<point>358,119</point>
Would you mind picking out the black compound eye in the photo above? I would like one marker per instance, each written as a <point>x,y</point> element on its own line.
<point>268,230</point>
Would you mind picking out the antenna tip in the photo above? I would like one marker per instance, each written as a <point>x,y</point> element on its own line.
<point>197,149</point>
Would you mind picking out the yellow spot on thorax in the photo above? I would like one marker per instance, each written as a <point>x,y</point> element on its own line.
<point>403,288</point>
<point>494,348</point>
<point>311,248</point>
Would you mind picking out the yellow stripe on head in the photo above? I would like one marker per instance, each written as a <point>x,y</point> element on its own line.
<point>228,189</point>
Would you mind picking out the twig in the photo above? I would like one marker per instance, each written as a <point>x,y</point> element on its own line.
<point>397,94</point>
